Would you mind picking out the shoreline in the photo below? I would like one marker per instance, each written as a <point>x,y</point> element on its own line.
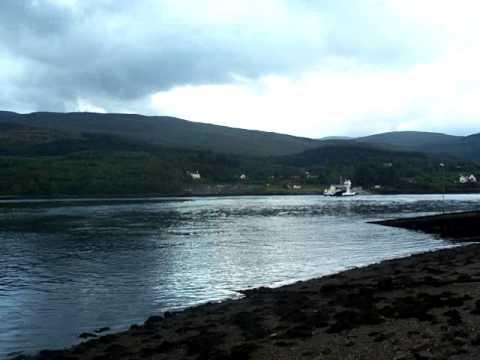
<point>179,195</point>
<point>461,226</point>
<point>153,197</point>
<point>424,306</point>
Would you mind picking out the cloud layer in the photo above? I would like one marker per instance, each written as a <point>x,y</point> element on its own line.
<point>302,67</point>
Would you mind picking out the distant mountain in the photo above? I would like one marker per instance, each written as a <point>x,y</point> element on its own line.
<point>461,147</point>
<point>336,138</point>
<point>410,139</point>
<point>369,166</point>
<point>19,133</point>
<point>466,148</point>
<point>350,153</point>
<point>166,131</point>
<point>55,154</point>
<point>16,138</point>
<point>44,131</point>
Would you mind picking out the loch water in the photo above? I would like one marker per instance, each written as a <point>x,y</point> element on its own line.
<point>70,266</point>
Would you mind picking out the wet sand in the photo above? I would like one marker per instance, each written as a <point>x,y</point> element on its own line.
<point>424,306</point>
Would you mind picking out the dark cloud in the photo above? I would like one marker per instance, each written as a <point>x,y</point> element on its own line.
<point>31,18</point>
<point>124,50</point>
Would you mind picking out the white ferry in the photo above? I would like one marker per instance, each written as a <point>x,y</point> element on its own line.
<point>340,190</point>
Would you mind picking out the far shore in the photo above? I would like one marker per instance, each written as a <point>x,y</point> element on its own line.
<point>206,195</point>
<point>424,306</point>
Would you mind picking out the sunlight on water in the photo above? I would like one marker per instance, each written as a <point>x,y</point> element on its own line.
<point>73,266</point>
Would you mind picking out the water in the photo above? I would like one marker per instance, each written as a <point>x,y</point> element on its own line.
<point>73,266</point>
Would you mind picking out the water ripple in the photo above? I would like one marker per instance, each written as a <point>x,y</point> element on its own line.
<point>63,261</point>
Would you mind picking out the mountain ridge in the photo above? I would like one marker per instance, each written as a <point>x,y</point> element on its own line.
<point>461,147</point>
<point>180,133</point>
<point>74,158</point>
<point>168,131</point>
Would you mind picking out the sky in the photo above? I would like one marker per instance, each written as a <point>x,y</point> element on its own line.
<point>310,68</point>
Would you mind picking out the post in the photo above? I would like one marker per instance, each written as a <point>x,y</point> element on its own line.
<point>442,165</point>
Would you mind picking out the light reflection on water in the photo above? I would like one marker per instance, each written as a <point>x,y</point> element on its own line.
<point>73,266</point>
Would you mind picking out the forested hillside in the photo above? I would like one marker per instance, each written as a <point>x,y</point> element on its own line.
<point>167,131</point>
<point>392,171</point>
<point>101,165</point>
<point>76,154</point>
<point>460,147</point>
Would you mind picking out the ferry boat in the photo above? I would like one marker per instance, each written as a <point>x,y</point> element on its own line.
<point>348,189</point>
<point>340,190</point>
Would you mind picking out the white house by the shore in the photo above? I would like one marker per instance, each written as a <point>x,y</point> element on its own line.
<point>195,175</point>
<point>467,179</point>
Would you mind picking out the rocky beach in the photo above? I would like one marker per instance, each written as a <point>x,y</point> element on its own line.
<point>425,306</point>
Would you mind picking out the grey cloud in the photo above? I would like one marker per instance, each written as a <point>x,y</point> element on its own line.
<point>26,18</point>
<point>124,50</point>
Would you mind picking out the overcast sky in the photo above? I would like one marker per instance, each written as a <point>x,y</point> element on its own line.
<point>303,67</point>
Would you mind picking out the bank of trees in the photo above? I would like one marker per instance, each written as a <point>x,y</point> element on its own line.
<point>144,170</point>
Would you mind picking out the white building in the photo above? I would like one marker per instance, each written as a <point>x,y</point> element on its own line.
<point>467,179</point>
<point>195,175</point>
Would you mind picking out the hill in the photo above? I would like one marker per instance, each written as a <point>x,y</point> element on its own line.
<point>368,165</point>
<point>121,154</point>
<point>16,137</point>
<point>410,139</point>
<point>101,165</point>
<point>166,131</point>
<point>178,133</point>
<point>59,163</point>
<point>467,148</point>
<point>461,147</point>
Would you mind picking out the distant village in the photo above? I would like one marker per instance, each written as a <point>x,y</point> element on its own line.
<point>296,182</point>
<point>472,179</point>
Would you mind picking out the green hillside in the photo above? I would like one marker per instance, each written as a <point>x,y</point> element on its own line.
<point>102,165</point>
<point>167,131</point>
<point>461,147</point>
<point>410,139</point>
<point>97,164</point>
<point>178,133</point>
<point>394,171</point>
<point>96,154</point>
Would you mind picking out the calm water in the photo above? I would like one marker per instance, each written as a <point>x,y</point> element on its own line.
<point>74,266</point>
